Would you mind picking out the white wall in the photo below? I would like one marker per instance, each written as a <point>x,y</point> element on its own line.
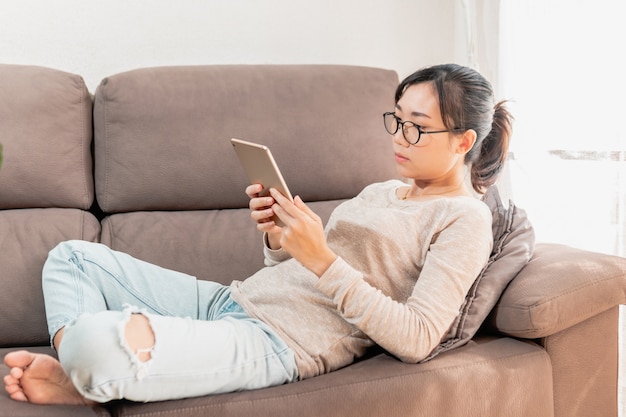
<point>100,38</point>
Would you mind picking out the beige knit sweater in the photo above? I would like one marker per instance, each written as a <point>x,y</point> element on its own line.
<point>403,272</point>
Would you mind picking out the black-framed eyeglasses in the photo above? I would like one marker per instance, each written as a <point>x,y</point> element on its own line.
<point>411,132</point>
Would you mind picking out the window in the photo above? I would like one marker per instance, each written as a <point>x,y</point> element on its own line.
<point>562,63</point>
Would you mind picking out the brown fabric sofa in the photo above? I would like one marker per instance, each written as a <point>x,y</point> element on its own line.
<point>144,165</point>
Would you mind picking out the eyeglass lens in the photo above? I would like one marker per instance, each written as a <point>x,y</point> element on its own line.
<point>410,131</point>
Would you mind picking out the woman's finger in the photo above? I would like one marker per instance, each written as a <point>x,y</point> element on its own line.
<point>260,203</point>
<point>306,209</point>
<point>253,190</point>
<point>284,203</point>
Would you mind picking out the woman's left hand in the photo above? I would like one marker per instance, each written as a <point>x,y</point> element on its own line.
<point>303,234</point>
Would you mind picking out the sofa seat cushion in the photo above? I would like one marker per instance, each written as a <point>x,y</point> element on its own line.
<point>560,287</point>
<point>8,407</point>
<point>514,379</point>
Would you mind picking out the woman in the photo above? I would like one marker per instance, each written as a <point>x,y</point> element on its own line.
<point>392,267</point>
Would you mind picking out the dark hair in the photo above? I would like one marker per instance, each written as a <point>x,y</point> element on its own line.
<point>466,102</point>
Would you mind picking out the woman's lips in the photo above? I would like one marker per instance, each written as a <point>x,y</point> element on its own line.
<point>400,158</point>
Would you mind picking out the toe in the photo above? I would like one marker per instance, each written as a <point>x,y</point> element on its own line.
<point>18,396</point>
<point>18,359</point>
<point>10,380</point>
<point>16,373</point>
<point>12,389</point>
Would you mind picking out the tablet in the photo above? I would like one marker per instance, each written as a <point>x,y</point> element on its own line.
<point>261,168</point>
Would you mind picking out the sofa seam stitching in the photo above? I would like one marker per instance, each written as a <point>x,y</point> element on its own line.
<point>571,291</point>
<point>584,313</point>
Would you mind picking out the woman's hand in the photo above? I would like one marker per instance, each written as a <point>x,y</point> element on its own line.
<point>262,213</point>
<point>303,233</point>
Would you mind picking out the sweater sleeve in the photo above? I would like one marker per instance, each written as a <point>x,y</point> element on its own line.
<point>411,330</point>
<point>273,257</point>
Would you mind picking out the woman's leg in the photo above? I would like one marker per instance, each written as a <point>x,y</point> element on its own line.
<point>86,287</point>
<point>189,357</point>
<point>83,277</point>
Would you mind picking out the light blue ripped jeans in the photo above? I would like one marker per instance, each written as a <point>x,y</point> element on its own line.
<point>205,343</point>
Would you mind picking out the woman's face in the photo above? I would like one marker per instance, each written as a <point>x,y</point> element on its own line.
<point>435,158</point>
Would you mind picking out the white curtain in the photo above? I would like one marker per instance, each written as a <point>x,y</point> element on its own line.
<point>563,65</point>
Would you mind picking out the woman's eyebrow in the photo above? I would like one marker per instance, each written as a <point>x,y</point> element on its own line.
<point>414,113</point>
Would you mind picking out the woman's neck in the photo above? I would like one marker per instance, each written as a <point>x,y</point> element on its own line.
<point>417,191</point>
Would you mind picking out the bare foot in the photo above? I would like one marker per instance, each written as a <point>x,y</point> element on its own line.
<point>39,379</point>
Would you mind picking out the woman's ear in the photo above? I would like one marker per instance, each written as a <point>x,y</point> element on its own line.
<point>467,141</point>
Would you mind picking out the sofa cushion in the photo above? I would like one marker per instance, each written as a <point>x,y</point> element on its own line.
<point>513,245</point>
<point>27,237</point>
<point>514,378</point>
<point>216,245</point>
<point>560,287</point>
<point>162,135</point>
<point>46,133</point>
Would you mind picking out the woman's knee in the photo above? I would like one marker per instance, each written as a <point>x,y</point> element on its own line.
<point>62,254</point>
<point>62,249</point>
<point>67,249</point>
<point>59,266</point>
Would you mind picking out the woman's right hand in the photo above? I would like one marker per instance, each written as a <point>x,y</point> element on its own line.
<point>261,213</point>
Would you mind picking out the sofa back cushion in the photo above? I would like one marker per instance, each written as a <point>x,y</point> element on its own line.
<point>217,245</point>
<point>162,135</point>
<point>46,133</point>
<point>46,187</point>
<point>171,184</point>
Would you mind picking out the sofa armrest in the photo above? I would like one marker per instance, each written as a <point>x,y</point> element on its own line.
<point>560,287</point>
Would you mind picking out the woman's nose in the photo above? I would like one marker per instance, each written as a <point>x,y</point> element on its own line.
<point>398,138</point>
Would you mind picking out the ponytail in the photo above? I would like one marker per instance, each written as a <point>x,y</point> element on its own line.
<point>493,154</point>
